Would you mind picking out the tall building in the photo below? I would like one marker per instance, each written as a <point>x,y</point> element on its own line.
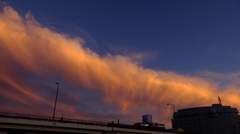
<point>215,119</point>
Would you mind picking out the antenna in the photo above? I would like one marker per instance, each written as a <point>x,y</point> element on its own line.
<point>219,99</point>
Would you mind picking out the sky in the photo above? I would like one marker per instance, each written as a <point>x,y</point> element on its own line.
<point>118,59</point>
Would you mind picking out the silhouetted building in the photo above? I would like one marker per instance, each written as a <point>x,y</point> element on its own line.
<point>147,118</point>
<point>215,119</point>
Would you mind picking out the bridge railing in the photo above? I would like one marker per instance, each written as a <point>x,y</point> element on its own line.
<point>86,122</point>
<point>50,119</point>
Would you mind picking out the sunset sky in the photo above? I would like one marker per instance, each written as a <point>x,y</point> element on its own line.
<point>118,58</point>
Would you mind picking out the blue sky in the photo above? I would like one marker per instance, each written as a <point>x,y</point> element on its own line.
<point>117,58</point>
<point>181,36</point>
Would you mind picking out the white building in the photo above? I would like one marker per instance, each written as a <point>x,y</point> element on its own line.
<point>215,119</point>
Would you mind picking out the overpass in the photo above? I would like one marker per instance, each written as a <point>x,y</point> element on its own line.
<point>23,123</point>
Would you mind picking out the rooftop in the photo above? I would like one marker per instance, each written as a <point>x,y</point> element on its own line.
<point>214,109</point>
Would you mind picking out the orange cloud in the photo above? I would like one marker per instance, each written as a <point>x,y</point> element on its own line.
<point>29,51</point>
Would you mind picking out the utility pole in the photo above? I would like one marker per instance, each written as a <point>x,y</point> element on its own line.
<point>55,100</point>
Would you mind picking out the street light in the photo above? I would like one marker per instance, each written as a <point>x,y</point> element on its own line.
<point>173,107</point>
<point>55,101</point>
<point>173,114</point>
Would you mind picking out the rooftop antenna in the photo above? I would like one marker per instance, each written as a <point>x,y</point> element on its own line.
<point>219,99</point>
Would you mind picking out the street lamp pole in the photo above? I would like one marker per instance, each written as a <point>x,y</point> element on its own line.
<point>173,107</point>
<point>55,101</point>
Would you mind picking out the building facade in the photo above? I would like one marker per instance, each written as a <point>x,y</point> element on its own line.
<point>215,119</point>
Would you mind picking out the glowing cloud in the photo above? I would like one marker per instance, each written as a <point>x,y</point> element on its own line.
<point>32,56</point>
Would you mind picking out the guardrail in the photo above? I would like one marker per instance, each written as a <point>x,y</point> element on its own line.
<point>50,119</point>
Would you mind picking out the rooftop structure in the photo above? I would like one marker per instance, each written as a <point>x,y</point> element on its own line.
<point>147,118</point>
<point>148,123</point>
